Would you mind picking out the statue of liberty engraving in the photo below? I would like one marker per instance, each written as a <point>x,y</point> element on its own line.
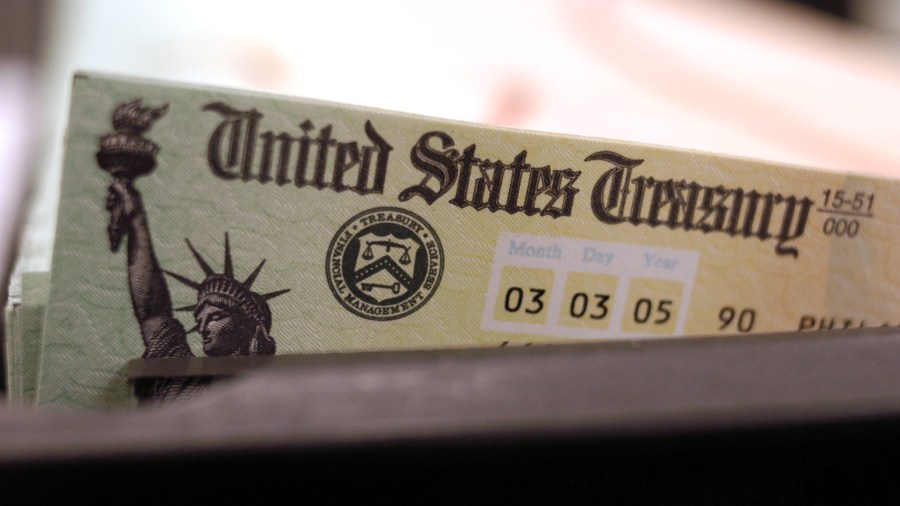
<point>231,318</point>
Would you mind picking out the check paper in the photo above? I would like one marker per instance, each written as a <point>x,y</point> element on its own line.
<point>202,221</point>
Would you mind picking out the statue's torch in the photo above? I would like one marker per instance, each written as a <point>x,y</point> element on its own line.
<point>127,155</point>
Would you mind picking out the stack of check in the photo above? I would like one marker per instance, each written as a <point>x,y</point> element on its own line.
<point>23,320</point>
<point>200,221</point>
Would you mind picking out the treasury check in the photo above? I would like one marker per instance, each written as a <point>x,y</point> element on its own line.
<point>202,221</point>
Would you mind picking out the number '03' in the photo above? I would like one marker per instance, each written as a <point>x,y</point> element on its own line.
<point>578,306</point>
<point>516,299</point>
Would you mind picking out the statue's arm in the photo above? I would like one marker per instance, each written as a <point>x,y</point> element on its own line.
<point>149,293</point>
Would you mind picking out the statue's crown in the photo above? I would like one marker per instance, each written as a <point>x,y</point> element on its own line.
<point>222,289</point>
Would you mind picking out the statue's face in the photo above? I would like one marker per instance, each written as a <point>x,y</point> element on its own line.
<point>224,332</point>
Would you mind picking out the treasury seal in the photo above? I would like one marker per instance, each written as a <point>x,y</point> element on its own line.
<point>384,263</point>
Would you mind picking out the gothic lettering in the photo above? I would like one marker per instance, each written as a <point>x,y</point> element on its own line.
<point>620,196</point>
<point>238,150</point>
<point>481,183</point>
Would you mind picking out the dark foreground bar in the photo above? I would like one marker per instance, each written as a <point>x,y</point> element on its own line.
<point>790,418</point>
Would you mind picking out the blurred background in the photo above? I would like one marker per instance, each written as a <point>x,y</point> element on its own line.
<point>813,83</point>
